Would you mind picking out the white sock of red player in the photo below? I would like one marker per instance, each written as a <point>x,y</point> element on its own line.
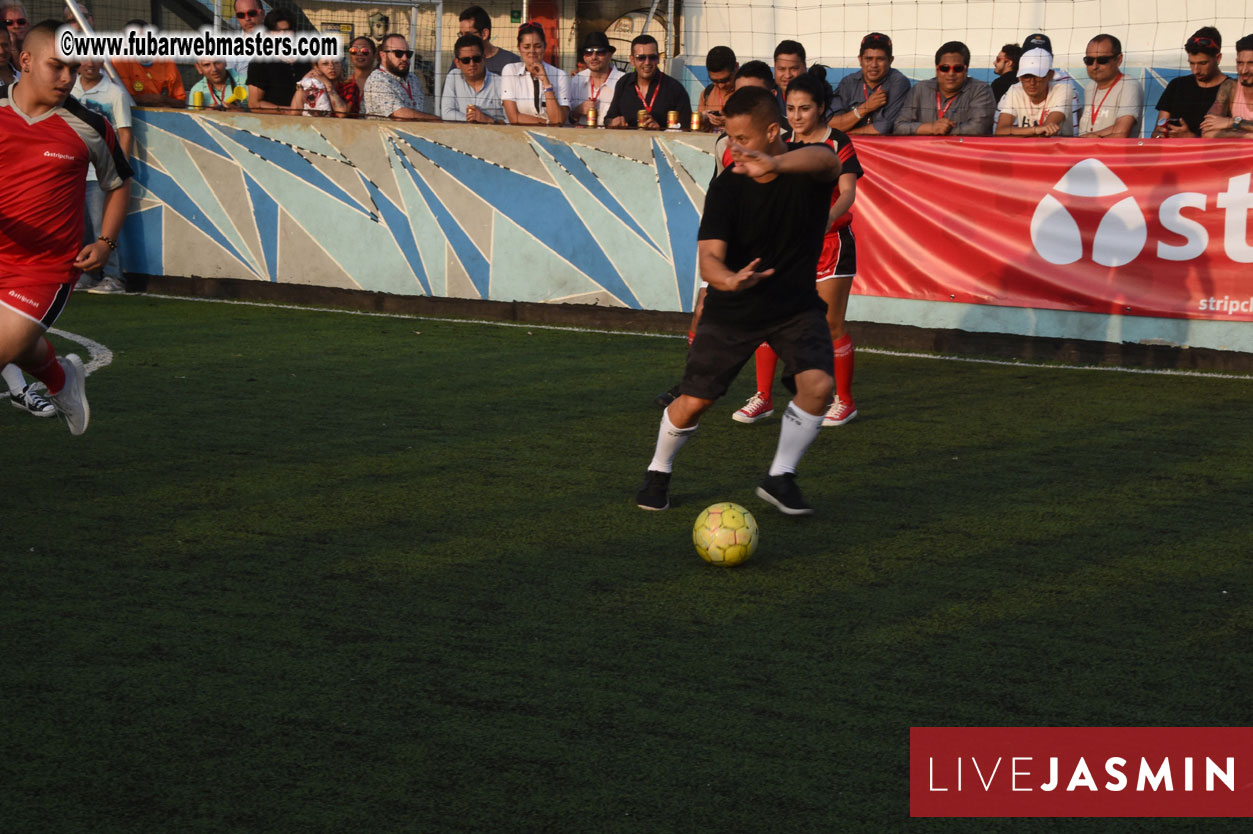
<point>13,378</point>
<point>670,440</point>
<point>798,430</point>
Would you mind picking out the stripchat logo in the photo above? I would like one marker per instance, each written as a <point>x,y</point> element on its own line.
<point>1122,233</point>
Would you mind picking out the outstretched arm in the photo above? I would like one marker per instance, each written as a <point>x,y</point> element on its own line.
<point>818,161</point>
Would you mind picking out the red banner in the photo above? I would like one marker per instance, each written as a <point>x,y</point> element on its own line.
<point>1081,771</point>
<point>1135,227</point>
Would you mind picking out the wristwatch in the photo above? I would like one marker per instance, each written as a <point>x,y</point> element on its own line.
<point>1237,122</point>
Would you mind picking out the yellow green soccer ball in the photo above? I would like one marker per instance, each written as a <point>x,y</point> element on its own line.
<point>725,534</point>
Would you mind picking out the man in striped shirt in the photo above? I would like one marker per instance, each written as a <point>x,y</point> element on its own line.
<point>48,140</point>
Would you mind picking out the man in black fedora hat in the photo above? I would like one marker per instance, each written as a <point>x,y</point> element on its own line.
<point>592,89</point>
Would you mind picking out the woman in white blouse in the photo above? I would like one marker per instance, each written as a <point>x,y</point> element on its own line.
<point>534,92</point>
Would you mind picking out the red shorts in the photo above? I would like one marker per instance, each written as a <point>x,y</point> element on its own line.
<point>839,255</point>
<point>40,303</point>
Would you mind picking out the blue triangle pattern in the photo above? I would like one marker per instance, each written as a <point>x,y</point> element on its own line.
<point>164,188</point>
<point>265,210</point>
<point>398,223</point>
<point>477,267</point>
<point>539,208</point>
<point>577,168</point>
<point>682,225</point>
<point>184,127</point>
<point>285,157</point>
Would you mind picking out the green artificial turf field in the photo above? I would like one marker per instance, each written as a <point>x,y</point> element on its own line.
<point>309,571</point>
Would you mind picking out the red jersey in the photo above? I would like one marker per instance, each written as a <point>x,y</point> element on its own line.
<point>838,141</point>
<point>45,185</point>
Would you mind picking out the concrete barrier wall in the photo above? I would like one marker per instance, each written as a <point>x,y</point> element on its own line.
<point>501,213</point>
<point>481,212</point>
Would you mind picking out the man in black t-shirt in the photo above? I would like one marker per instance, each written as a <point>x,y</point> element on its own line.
<point>659,95</point>
<point>1187,99</point>
<point>759,243</point>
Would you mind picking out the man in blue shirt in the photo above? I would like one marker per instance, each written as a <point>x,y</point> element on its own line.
<point>868,101</point>
<point>471,93</point>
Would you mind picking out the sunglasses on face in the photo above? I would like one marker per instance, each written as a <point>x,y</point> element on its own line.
<point>595,51</point>
<point>400,53</point>
<point>957,68</point>
<point>359,50</point>
<point>249,13</point>
<point>15,21</point>
<point>1089,60</point>
<point>471,59</point>
<point>647,59</point>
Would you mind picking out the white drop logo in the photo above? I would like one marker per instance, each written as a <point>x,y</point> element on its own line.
<point>1122,232</point>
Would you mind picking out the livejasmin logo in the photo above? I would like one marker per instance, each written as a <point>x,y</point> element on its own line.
<point>1022,775</point>
<point>1122,232</point>
<point>1081,771</point>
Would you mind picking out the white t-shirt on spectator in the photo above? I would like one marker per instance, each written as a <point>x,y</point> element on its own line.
<point>1026,113</point>
<point>581,91</point>
<point>1125,98</point>
<point>516,86</point>
<point>109,100</point>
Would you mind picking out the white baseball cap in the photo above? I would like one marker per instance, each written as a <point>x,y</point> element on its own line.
<point>1035,62</point>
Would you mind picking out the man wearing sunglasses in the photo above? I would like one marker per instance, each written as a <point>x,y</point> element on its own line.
<point>722,65</point>
<point>593,88</point>
<point>16,21</point>
<point>249,16</point>
<point>1112,102</point>
<point>870,100</point>
<point>952,103</point>
<point>1188,98</point>
<point>272,84</point>
<point>647,89</point>
<point>471,92</point>
<point>391,91</point>
<point>475,21</point>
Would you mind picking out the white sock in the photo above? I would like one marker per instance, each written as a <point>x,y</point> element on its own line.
<point>13,378</point>
<point>669,441</point>
<point>798,430</point>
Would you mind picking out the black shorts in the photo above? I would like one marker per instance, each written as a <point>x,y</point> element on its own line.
<point>719,351</point>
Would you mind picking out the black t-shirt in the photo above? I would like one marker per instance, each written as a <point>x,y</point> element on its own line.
<point>664,94</point>
<point>782,222</point>
<point>1188,100</point>
<point>1001,84</point>
<point>277,79</point>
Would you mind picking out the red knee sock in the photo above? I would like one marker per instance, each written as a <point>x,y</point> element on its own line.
<point>49,371</point>
<point>844,368</point>
<point>767,361</point>
<point>691,334</point>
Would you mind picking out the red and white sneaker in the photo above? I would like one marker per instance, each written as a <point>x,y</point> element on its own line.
<point>839,413</point>
<point>757,408</point>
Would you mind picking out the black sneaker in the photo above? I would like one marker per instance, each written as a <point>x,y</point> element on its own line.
<point>655,493</point>
<point>782,491</point>
<point>664,400</point>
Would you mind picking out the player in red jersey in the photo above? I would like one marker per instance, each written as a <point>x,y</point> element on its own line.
<point>807,97</point>
<point>47,140</point>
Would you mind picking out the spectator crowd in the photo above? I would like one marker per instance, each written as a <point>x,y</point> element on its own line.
<point>488,84</point>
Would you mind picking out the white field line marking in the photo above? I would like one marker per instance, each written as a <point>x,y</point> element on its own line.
<point>564,328</point>
<point>100,356</point>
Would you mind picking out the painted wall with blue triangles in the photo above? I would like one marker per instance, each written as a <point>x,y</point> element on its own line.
<point>499,213</point>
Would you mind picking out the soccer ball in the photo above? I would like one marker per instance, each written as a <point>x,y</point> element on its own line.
<point>725,534</point>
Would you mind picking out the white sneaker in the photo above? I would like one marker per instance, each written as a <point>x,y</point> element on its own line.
<point>85,282</point>
<point>839,413</point>
<point>71,401</point>
<point>33,403</point>
<point>757,408</point>
<point>108,286</point>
